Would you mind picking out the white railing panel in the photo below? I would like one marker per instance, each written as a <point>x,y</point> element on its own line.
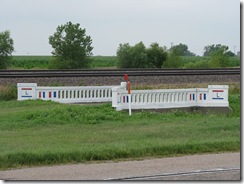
<point>214,96</point>
<point>66,94</point>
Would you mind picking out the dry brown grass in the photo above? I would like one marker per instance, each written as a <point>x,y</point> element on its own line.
<point>4,90</point>
<point>8,92</point>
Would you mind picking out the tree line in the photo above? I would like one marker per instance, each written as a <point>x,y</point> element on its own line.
<point>72,48</point>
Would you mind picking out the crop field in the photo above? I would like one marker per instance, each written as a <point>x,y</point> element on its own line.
<point>42,62</point>
<point>46,133</point>
<point>103,62</point>
<point>30,62</point>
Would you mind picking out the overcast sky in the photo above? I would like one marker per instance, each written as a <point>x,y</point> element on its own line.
<point>196,23</point>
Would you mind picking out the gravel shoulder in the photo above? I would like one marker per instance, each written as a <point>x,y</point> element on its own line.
<point>126,169</point>
<point>135,80</point>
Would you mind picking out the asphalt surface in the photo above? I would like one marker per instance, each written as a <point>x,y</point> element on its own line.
<point>224,166</point>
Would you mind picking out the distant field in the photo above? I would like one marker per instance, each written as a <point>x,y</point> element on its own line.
<point>103,62</point>
<point>99,62</point>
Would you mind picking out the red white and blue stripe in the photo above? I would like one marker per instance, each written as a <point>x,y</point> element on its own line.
<point>202,96</point>
<point>49,94</point>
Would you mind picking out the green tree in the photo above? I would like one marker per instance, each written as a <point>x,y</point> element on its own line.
<point>124,55</point>
<point>220,58</point>
<point>156,55</point>
<point>132,56</point>
<point>71,47</point>
<point>6,49</point>
<point>210,49</point>
<point>229,53</point>
<point>138,56</point>
<point>181,50</point>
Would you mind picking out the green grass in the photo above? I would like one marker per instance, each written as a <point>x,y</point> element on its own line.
<point>46,133</point>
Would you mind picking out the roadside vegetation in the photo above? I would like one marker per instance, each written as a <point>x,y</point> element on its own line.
<point>39,132</point>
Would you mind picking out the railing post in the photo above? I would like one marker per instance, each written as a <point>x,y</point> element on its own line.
<point>26,91</point>
<point>218,95</point>
<point>115,96</point>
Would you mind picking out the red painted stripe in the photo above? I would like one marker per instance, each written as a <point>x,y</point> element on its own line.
<point>218,90</point>
<point>40,94</point>
<point>201,96</point>
<point>26,88</point>
<point>50,94</point>
<point>190,96</point>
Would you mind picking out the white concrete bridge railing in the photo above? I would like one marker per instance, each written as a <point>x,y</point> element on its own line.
<point>79,94</point>
<point>213,96</point>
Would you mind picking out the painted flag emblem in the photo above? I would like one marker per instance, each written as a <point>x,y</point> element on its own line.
<point>218,95</point>
<point>26,92</point>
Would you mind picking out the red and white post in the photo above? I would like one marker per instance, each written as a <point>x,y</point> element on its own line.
<point>126,78</point>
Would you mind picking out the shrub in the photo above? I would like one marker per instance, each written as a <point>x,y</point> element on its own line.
<point>173,61</point>
<point>198,64</point>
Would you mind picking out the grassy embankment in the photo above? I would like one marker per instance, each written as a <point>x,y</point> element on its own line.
<point>46,133</point>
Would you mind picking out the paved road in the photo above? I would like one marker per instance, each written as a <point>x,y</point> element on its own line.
<point>225,166</point>
<point>212,174</point>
